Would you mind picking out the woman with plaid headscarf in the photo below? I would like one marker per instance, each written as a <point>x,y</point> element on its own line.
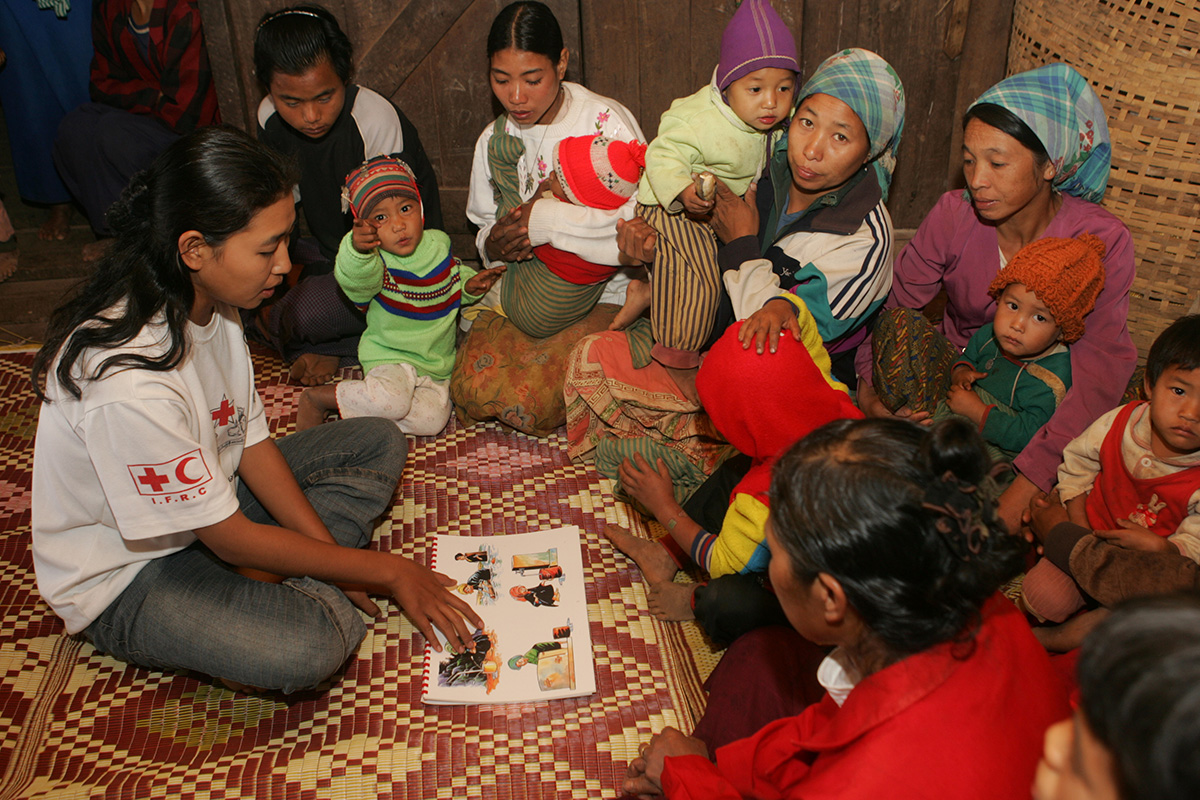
<point>1036,157</point>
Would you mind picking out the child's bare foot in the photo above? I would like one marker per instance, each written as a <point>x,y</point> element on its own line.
<point>685,379</point>
<point>1070,634</point>
<point>57,224</point>
<point>651,557</point>
<point>309,412</point>
<point>637,300</point>
<point>672,602</point>
<point>312,369</point>
<point>94,251</point>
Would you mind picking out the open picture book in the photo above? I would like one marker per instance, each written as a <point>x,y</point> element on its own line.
<point>535,643</point>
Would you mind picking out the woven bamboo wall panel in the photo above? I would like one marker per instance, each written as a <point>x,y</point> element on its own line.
<point>1143,59</point>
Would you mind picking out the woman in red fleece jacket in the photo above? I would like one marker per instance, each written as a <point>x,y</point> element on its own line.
<point>884,544</point>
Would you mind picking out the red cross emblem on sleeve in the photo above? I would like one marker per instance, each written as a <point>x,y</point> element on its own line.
<point>184,473</point>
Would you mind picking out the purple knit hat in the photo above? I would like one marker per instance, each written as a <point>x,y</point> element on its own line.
<point>755,38</point>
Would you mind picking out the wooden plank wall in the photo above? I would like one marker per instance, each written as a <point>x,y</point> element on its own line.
<point>644,53</point>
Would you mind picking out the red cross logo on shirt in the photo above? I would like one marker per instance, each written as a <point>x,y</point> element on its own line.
<point>183,475</point>
<point>152,479</point>
<point>223,413</point>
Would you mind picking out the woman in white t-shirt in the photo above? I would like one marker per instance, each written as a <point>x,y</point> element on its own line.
<point>527,64</point>
<point>164,515</point>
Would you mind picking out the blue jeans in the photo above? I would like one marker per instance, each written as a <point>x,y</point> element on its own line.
<point>192,611</point>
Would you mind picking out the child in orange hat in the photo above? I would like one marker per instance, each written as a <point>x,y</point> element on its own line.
<point>1017,368</point>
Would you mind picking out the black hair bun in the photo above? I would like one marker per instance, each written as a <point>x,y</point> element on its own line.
<point>132,211</point>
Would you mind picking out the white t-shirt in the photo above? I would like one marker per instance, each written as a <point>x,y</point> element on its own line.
<point>590,233</point>
<point>124,474</point>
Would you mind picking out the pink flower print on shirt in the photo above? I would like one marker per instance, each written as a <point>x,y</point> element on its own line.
<point>541,168</point>
<point>602,118</point>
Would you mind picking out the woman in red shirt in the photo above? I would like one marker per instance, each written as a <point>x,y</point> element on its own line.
<point>885,546</point>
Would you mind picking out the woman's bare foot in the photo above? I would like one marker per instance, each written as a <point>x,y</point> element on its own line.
<point>57,224</point>
<point>312,369</point>
<point>309,411</point>
<point>672,602</point>
<point>637,300</point>
<point>94,251</point>
<point>652,558</point>
<point>234,686</point>
<point>1070,634</point>
<point>8,260</point>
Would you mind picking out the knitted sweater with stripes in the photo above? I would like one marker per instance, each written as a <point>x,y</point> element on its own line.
<point>411,302</point>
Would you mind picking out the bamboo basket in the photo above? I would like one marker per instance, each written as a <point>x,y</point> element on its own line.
<point>1143,59</point>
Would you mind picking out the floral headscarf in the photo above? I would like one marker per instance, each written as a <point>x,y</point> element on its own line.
<point>1059,106</point>
<point>868,84</point>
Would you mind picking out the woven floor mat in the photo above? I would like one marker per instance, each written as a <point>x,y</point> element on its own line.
<point>78,724</point>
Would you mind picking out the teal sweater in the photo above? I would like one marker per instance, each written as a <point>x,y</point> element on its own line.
<point>411,303</point>
<point>1021,395</point>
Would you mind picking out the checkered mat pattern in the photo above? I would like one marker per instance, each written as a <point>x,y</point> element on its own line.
<point>78,724</point>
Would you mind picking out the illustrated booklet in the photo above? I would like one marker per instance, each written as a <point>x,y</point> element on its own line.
<point>535,643</point>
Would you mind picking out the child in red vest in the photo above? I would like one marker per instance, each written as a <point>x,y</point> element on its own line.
<point>1133,477</point>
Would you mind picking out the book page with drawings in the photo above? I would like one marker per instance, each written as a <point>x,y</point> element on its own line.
<point>535,643</point>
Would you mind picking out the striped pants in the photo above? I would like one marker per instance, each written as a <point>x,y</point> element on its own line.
<point>685,285</point>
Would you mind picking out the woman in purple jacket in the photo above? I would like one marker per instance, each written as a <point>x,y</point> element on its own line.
<point>1036,158</point>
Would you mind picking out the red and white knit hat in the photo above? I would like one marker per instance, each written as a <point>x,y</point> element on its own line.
<point>599,172</point>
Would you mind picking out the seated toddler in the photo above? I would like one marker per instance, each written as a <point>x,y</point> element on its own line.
<point>1132,478</point>
<point>411,287</point>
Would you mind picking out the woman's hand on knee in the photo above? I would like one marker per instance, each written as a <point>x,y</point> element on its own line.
<point>765,326</point>
<point>734,217</point>
<point>636,241</point>
<point>509,237</point>
<point>871,406</point>
<point>650,486</point>
<point>423,595</point>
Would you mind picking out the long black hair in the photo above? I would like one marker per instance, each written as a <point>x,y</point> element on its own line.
<point>897,514</point>
<point>296,39</point>
<point>529,26</point>
<point>213,180</point>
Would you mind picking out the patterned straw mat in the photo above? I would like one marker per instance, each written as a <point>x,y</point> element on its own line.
<point>77,724</point>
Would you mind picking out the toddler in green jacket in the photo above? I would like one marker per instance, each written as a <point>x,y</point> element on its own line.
<point>411,287</point>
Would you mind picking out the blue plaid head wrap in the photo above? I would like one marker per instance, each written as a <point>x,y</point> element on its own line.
<point>868,84</point>
<point>1059,106</point>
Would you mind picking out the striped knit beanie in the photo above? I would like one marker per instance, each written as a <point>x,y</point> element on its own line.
<point>755,38</point>
<point>380,177</point>
<point>1065,274</point>
<point>599,172</point>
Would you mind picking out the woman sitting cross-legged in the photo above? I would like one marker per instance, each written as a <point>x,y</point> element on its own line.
<point>169,528</point>
<point>885,546</point>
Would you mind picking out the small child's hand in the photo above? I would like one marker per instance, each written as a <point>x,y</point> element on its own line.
<point>1044,512</point>
<point>963,400</point>
<point>692,202</point>
<point>364,236</point>
<point>484,280</point>
<point>965,376</point>
<point>1132,536</point>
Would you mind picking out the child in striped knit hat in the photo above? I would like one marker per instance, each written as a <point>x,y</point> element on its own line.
<point>411,287</point>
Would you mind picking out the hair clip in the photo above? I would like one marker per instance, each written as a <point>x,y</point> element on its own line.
<point>284,13</point>
<point>963,510</point>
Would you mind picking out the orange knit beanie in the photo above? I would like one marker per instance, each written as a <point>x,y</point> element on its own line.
<point>1065,274</point>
